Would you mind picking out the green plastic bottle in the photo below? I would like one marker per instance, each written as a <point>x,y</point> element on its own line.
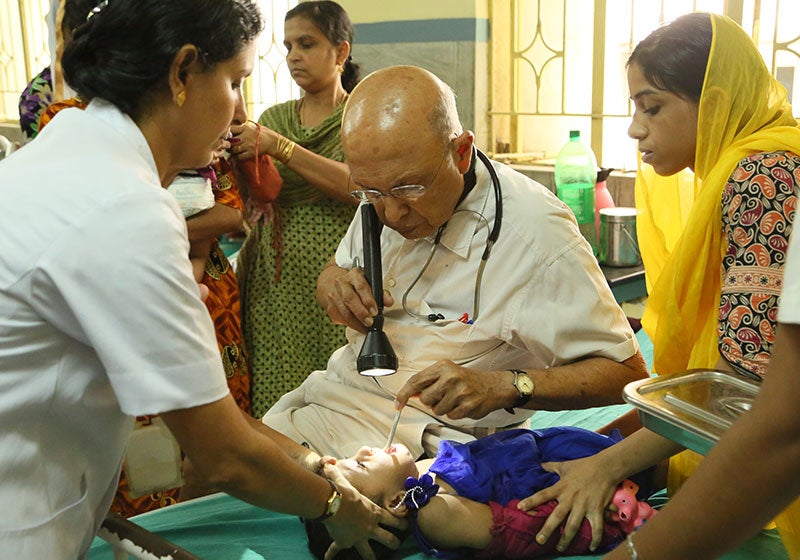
<point>576,176</point>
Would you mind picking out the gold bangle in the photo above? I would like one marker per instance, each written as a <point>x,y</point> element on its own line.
<point>285,149</point>
<point>289,152</point>
<point>279,147</point>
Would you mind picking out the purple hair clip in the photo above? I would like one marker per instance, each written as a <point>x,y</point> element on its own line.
<point>419,491</point>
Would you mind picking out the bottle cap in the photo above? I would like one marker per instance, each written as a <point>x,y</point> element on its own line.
<point>574,134</point>
<point>603,174</point>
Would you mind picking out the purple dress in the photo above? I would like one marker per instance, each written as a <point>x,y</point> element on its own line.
<point>506,466</point>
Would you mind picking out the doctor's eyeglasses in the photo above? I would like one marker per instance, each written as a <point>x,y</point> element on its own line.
<point>401,192</point>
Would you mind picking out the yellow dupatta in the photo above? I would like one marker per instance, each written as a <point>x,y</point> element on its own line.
<point>743,110</point>
<point>663,205</point>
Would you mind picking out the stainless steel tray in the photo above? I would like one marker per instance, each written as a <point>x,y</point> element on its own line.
<point>692,408</point>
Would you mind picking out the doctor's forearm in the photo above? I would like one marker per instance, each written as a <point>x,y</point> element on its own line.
<point>584,384</point>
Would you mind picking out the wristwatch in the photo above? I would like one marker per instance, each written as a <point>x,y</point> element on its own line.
<point>524,384</point>
<point>332,505</point>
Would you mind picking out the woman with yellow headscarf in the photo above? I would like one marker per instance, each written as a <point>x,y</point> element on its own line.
<point>704,100</point>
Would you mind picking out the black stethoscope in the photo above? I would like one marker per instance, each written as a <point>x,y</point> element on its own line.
<point>490,241</point>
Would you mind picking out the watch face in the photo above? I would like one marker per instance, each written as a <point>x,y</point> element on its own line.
<point>525,384</point>
<point>337,501</point>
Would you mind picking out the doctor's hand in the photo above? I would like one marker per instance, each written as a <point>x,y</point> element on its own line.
<point>347,297</point>
<point>458,392</point>
<point>584,491</point>
<point>357,520</point>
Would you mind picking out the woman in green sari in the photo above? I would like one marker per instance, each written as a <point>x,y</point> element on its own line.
<point>286,333</point>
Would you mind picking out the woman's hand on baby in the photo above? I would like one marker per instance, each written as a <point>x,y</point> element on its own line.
<point>582,491</point>
<point>358,520</point>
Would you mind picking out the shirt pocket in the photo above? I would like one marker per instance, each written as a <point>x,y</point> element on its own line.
<point>64,532</point>
<point>426,342</point>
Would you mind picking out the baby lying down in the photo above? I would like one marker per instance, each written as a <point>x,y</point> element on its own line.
<point>464,505</point>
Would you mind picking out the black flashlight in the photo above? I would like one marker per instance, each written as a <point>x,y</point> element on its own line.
<point>377,356</point>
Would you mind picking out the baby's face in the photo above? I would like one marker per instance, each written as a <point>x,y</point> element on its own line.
<point>379,473</point>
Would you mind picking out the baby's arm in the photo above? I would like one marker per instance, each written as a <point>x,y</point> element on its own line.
<point>198,254</point>
<point>449,521</point>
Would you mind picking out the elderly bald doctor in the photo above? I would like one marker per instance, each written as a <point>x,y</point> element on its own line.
<point>544,333</point>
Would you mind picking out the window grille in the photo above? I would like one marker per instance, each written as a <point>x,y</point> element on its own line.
<point>547,81</point>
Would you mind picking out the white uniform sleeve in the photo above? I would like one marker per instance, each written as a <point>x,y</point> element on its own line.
<point>789,305</point>
<point>121,283</point>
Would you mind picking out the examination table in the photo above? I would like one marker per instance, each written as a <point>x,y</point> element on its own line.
<point>220,527</point>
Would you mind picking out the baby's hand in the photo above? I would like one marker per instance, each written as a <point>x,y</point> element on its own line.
<point>316,464</point>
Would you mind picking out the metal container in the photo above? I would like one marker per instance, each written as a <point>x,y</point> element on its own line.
<point>619,245</point>
<point>693,408</point>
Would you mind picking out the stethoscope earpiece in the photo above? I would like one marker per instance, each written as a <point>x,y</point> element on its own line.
<point>433,317</point>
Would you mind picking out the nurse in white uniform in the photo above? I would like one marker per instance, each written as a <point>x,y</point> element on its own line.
<point>100,318</point>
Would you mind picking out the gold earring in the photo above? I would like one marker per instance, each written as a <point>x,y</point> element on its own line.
<point>340,68</point>
<point>180,99</point>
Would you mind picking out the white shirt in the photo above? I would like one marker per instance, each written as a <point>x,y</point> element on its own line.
<point>544,302</point>
<point>789,304</point>
<point>100,320</point>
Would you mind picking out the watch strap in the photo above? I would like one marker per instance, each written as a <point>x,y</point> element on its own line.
<point>330,511</point>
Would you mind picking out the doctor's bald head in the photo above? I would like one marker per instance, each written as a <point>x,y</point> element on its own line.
<point>400,102</point>
<point>400,132</point>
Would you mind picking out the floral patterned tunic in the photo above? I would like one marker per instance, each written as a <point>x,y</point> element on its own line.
<point>35,98</point>
<point>758,208</point>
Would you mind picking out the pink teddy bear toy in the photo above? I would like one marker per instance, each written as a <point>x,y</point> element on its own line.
<point>631,513</point>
